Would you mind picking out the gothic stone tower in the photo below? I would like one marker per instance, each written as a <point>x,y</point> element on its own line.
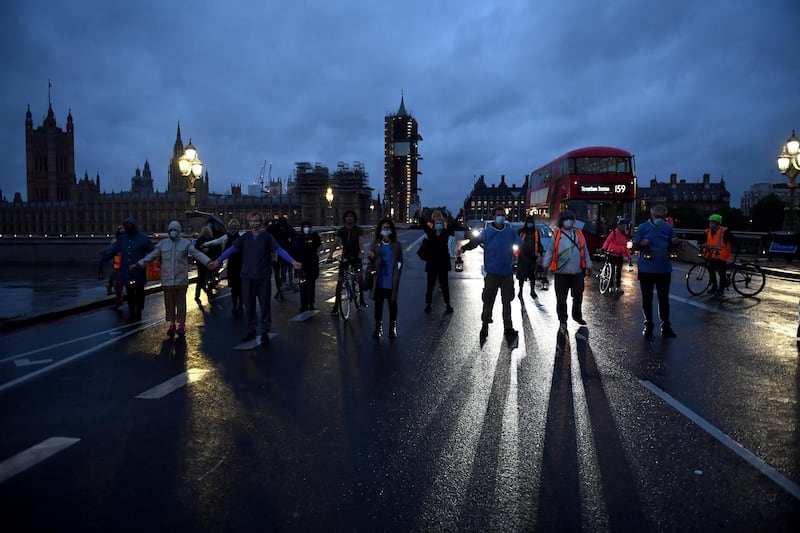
<point>49,158</point>
<point>400,164</point>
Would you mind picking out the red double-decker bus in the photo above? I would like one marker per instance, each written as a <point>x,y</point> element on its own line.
<point>597,183</point>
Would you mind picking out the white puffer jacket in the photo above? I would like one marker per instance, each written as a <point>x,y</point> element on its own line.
<point>174,254</point>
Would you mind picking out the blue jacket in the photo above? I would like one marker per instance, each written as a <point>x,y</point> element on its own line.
<point>660,238</point>
<point>256,254</point>
<point>498,249</point>
<point>133,247</point>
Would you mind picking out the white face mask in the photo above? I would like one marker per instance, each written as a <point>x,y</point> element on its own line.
<point>568,223</point>
<point>499,219</point>
<point>386,232</point>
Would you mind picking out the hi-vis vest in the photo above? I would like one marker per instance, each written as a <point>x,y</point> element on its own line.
<point>581,246</point>
<point>522,235</point>
<point>716,247</point>
<point>118,261</point>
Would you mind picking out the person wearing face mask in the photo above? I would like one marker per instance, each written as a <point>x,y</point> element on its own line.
<point>717,244</point>
<point>306,246</point>
<point>528,256</point>
<point>387,253</point>
<point>133,245</point>
<point>174,252</point>
<point>569,260</point>
<point>257,248</point>
<point>233,268</point>
<point>616,245</point>
<point>498,241</point>
<point>653,239</point>
<point>437,266</point>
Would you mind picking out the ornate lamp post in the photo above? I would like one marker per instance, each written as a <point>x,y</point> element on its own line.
<point>192,168</point>
<point>789,165</point>
<point>329,197</point>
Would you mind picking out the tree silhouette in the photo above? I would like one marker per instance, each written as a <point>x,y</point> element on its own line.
<point>767,214</point>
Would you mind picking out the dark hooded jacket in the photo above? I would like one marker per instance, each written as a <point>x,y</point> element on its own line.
<point>133,248</point>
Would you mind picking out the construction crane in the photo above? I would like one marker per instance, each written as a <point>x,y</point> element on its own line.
<point>261,177</point>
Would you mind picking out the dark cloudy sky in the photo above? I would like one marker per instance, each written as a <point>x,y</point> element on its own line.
<point>688,86</point>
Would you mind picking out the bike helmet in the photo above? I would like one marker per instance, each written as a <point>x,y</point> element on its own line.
<point>716,218</point>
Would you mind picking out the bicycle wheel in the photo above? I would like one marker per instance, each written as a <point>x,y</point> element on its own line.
<point>604,278</point>
<point>344,300</point>
<point>748,279</point>
<point>697,279</point>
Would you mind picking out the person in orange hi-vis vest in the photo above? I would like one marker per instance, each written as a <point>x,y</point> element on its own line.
<point>717,243</point>
<point>570,262</point>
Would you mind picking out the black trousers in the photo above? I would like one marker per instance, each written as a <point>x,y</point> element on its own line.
<point>135,293</point>
<point>616,267</point>
<point>444,284</point>
<point>717,268</point>
<point>564,284</point>
<point>661,282</point>
<point>380,296</point>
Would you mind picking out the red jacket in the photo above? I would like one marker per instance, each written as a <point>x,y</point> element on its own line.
<point>617,243</point>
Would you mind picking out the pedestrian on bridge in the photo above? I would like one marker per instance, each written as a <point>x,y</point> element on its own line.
<point>654,239</point>
<point>498,240</point>
<point>437,265</point>
<point>306,246</point>
<point>133,245</point>
<point>174,252</point>
<point>717,244</point>
<point>257,248</point>
<point>570,261</point>
<point>388,256</point>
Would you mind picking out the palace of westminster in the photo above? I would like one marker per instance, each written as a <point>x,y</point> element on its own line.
<point>59,203</point>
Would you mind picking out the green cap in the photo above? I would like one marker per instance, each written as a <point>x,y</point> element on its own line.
<point>716,218</point>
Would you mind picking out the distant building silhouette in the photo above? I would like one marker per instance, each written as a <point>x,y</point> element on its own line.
<point>401,138</point>
<point>58,204</point>
<point>482,200</point>
<point>704,196</point>
<point>759,191</point>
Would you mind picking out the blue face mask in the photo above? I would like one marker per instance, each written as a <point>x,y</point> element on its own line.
<point>438,226</point>
<point>499,219</point>
<point>658,221</point>
<point>174,234</point>
<point>386,233</point>
<point>529,224</point>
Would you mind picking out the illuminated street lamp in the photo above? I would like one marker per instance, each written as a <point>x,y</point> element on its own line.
<point>329,197</point>
<point>192,168</point>
<point>789,165</point>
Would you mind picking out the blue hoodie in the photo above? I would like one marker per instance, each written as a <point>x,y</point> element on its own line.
<point>498,252</point>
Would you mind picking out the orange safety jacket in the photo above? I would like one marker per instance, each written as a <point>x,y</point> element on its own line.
<point>581,246</point>
<point>716,245</point>
<point>535,241</point>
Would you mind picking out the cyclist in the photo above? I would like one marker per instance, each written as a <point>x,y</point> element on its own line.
<point>616,245</point>
<point>717,243</point>
<point>350,238</point>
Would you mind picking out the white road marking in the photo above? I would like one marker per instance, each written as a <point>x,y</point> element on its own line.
<point>27,362</point>
<point>36,454</point>
<point>304,315</point>
<point>790,332</point>
<point>114,331</point>
<point>66,360</point>
<point>779,479</point>
<point>171,385</point>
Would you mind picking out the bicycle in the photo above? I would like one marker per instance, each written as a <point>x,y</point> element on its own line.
<point>606,275</point>
<point>349,290</point>
<point>746,277</point>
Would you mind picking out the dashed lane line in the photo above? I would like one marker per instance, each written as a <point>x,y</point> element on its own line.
<point>779,479</point>
<point>171,385</point>
<point>33,455</point>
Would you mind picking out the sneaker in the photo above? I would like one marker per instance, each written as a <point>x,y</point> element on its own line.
<point>427,308</point>
<point>171,329</point>
<point>711,290</point>
<point>265,337</point>
<point>533,295</point>
<point>378,333</point>
<point>181,329</point>
<point>484,331</point>
<point>580,321</point>
<point>620,291</point>
<point>250,336</point>
<point>335,310</point>
<point>510,333</point>
<point>668,332</point>
<point>647,330</point>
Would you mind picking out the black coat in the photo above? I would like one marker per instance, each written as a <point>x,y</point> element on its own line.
<point>439,255</point>
<point>306,248</point>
